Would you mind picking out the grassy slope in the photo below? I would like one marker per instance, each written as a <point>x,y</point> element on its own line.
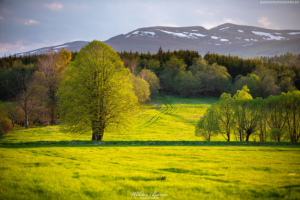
<point>125,163</point>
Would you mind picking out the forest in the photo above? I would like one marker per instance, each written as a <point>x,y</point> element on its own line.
<point>29,86</point>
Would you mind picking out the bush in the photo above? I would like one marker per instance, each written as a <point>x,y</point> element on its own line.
<point>5,125</point>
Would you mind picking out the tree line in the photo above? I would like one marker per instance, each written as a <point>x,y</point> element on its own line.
<point>275,118</point>
<point>185,73</point>
<point>31,82</point>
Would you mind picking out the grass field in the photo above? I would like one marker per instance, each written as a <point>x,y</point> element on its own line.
<point>159,155</point>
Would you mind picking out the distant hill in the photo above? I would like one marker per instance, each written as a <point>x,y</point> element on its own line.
<point>70,46</point>
<point>244,41</point>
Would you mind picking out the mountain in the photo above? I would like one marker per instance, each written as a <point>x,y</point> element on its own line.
<point>70,46</point>
<point>244,41</point>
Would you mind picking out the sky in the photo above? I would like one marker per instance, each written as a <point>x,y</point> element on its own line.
<point>30,24</point>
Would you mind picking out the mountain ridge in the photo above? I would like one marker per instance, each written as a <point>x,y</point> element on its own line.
<point>242,40</point>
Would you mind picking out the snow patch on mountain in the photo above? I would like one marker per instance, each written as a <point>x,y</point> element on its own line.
<point>247,45</point>
<point>142,33</point>
<point>294,33</point>
<point>60,47</point>
<point>184,34</point>
<point>240,31</point>
<point>224,40</point>
<point>175,34</point>
<point>197,34</point>
<point>223,28</point>
<point>214,37</point>
<point>271,37</point>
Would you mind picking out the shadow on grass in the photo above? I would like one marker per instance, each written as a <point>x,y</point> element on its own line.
<point>80,143</point>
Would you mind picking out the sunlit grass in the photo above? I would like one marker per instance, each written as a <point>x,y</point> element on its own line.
<point>164,118</point>
<point>159,154</point>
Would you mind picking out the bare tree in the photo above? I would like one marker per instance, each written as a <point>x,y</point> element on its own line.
<point>131,65</point>
<point>52,66</point>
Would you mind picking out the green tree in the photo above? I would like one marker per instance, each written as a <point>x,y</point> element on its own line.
<point>291,103</point>
<point>141,89</point>
<point>226,115</point>
<point>268,79</point>
<point>207,126</point>
<point>153,65</point>
<point>243,94</point>
<point>212,79</point>
<point>276,112</point>
<point>152,79</point>
<point>251,81</point>
<point>171,69</point>
<point>262,124</point>
<point>185,83</point>
<point>246,113</point>
<point>97,93</point>
<point>276,134</point>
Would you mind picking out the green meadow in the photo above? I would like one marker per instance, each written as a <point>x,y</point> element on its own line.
<point>159,155</point>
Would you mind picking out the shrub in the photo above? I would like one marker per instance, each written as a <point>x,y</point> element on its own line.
<point>5,125</point>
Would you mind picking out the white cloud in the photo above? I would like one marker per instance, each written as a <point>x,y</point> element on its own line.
<point>53,6</point>
<point>19,46</point>
<point>31,21</point>
<point>1,18</point>
<point>264,21</point>
<point>6,47</point>
<point>201,11</point>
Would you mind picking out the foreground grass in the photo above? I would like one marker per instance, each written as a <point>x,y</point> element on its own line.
<point>181,172</point>
<point>160,154</point>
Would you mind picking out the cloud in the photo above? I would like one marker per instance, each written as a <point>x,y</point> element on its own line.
<point>53,6</point>
<point>20,46</point>
<point>201,11</point>
<point>264,21</point>
<point>1,18</point>
<point>6,47</point>
<point>31,21</point>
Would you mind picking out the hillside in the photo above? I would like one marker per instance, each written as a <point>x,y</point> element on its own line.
<point>245,41</point>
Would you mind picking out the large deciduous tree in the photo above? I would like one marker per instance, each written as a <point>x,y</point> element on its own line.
<point>97,92</point>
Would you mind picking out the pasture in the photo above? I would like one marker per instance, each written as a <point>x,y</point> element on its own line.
<point>159,155</point>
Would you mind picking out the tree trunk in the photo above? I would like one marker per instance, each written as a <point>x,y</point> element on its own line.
<point>247,137</point>
<point>98,130</point>
<point>97,137</point>
<point>52,111</point>
<point>26,120</point>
